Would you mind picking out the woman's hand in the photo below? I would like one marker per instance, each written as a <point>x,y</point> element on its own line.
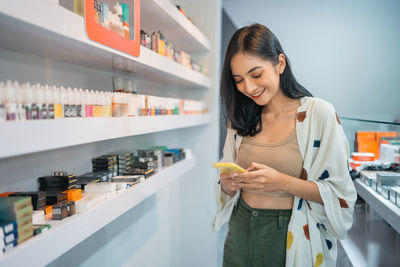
<point>228,185</point>
<point>259,178</point>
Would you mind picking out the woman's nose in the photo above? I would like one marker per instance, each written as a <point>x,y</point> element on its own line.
<point>250,87</point>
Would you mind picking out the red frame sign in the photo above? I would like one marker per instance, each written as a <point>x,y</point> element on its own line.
<point>100,34</point>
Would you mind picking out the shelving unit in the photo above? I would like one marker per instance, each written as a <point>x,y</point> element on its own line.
<point>37,33</point>
<point>51,32</point>
<point>385,208</point>
<point>73,230</point>
<point>182,33</point>
<point>46,133</point>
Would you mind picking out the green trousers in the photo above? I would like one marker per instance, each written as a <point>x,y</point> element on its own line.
<point>256,237</point>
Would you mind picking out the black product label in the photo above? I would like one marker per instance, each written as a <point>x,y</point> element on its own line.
<point>44,112</point>
<point>34,111</point>
<point>67,112</point>
<point>73,113</point>
<point>79,111</point>
<point>50,111</point>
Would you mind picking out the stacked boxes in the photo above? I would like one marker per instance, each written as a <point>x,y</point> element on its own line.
<point>124,161</point>
<point>57,182</point>
<point>38,198</point>
<point>106,164</point>
<point>16,211</point>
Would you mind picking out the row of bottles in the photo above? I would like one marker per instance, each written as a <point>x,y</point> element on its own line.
<point>20,102</point>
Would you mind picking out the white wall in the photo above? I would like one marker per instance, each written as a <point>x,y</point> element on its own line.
<point>172,227</point>
<point>346,52</point>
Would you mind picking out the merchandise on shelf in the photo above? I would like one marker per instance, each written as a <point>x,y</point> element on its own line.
<point>21,102</point>
<point>157,42</point>
<point>15,221</point>
<point>24,214</point>
<point>386,183</point>
<point>370,141</point>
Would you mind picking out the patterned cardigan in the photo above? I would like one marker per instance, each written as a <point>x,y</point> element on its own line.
<point>313,227</point>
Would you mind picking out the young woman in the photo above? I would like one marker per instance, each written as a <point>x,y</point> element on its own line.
<point>297,197</point>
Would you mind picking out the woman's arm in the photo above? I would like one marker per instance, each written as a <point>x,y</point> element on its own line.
<point>301,188</point>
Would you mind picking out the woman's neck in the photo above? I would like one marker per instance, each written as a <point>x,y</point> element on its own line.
<point>280,104</point>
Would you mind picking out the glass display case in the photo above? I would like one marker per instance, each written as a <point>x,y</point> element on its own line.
<point>374,239</point>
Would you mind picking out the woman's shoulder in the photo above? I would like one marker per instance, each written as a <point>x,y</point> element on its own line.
<point>319,108</point>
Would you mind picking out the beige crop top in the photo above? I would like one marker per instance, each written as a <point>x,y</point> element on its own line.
<point>284,156</point>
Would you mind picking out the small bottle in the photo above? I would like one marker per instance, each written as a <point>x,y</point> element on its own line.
<point>88,102</point>
<point>10,102</point>
<point>58,107</point>
<point>49,99</point>
<point>103,102</point>
<point>3,114</point>
<point>107,108</point>
<point>20,101</point>
<point>64,103</point>
<point>75,103</point>
<point>68,102</point>
<point>82,104</point>
<point>115,105</point>
<point>28,101</point>
<point>42,111</point>
<point>97,110</point>
<point>36,109</point>
<point>153,106</point>
<point>124,105</point>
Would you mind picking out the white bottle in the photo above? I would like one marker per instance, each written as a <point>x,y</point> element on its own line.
<point>49,99</point>
<point>68,103</point>
<point>64,105</point>
<point>75,103</point>
<point>10,102</point>
<point>20,101</point>
<point>82,103</point>
<point>42,102</point>
<point>3,114</point>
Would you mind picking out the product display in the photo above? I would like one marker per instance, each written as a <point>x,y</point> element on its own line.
<point>62,195</point>
<point>33,102</point>
<point>57,71</point>
<point>157,43</point>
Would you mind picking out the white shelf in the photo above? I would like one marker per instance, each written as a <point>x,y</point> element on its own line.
<point>16,137</point>
<point>48,30</point>
<point>164,16</point>
<point>44,248</point>
<point>353,253</point>
<point>384,207</point>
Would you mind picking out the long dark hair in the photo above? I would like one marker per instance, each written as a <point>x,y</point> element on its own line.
<point>243,114</point>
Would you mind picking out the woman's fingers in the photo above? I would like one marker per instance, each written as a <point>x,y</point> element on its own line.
<point>255,186</point>
<point>256,166</point>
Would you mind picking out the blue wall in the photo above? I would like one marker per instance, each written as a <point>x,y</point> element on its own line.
<point>347,52</point>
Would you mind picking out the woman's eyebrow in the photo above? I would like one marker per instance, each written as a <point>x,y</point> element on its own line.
<point>251,70</point>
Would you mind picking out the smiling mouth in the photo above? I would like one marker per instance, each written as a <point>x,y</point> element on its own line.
<point>259,93</point>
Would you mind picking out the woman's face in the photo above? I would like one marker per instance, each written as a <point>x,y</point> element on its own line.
<point>257,78</point>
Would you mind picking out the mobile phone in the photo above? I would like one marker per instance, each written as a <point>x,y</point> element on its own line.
<point>228,167</point>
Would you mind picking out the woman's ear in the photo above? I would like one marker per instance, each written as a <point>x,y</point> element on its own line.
<point>281,63</point>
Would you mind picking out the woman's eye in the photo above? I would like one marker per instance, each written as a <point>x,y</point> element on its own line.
<point>257,76</point>
<point>238,81</point>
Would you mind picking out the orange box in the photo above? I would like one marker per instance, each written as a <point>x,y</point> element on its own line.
<point>73,194</point>
<point>362,156</point>
<point>369,146</point>
<point>6,194</point>
<point>366,136</point>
